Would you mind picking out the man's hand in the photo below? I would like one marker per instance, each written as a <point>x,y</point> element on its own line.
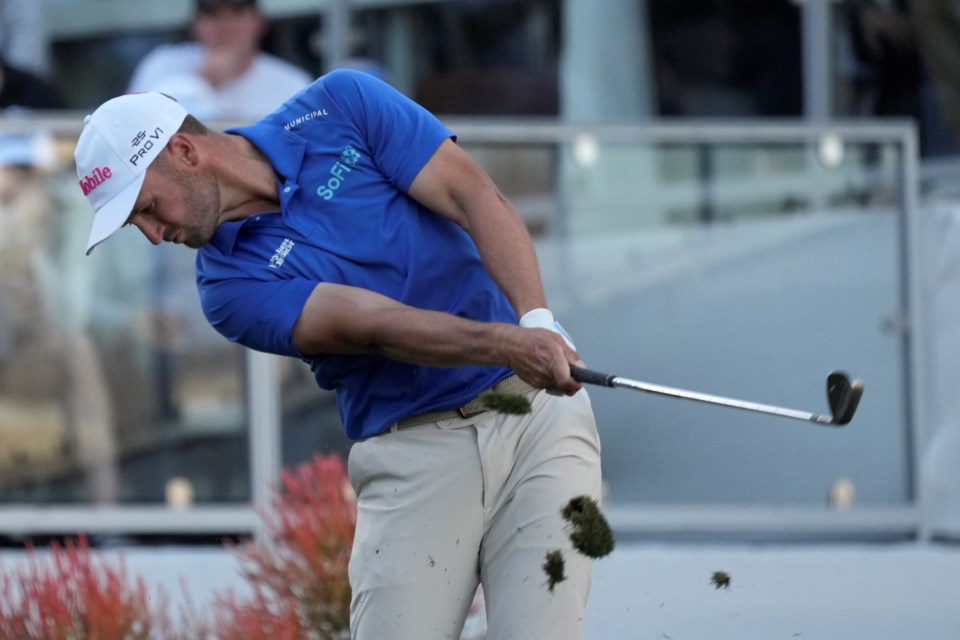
<point>544,360</point>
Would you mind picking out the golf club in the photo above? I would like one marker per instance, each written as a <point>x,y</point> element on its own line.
<point>843,396</point>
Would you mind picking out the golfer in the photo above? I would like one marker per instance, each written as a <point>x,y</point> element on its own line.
<point>348,229</point>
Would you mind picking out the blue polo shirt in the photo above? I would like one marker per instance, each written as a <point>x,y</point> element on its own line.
<point>345,150</point>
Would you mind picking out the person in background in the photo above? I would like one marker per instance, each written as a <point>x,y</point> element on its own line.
<point>46,356</point>
<point>908,51</point>
<point>222,74</point>
<point>937,27</point>
<point>21,89</point>
<point>50,365</point>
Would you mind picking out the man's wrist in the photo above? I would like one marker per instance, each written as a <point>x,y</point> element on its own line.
<point>542,318</point>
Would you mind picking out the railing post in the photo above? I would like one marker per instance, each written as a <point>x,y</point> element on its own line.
<point>263,393</point>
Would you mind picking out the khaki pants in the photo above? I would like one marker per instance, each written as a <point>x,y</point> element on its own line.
<point>446,505</point>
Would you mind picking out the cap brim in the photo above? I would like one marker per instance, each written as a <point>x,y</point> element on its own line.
<point>112,215</point>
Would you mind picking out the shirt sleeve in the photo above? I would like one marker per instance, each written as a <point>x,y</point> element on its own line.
<point>258,314</point>
<point>401,134</point>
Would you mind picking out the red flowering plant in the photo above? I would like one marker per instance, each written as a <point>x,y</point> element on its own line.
<point>69,593</point>
<point>298,575</point>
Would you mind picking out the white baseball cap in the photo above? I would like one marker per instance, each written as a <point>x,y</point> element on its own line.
<point>118,142</point>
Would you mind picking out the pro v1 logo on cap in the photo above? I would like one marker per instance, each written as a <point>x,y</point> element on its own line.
<point>142,146</point>
<point>118,142</point>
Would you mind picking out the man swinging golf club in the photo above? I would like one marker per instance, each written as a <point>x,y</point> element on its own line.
<point>349,230</point>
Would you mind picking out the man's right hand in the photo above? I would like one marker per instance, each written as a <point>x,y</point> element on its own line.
<point>544,361</point>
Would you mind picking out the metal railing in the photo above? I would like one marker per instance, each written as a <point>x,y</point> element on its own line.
<point>264,395</point>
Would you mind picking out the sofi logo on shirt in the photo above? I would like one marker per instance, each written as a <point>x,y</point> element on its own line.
<point>339,172</point>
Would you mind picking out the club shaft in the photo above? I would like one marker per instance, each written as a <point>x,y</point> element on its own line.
<point>627,383</point>
<point>595,377</point>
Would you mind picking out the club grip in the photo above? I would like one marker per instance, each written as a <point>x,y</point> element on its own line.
<point>589,376</point>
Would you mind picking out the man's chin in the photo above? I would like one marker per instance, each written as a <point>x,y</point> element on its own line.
<point>193,242</point>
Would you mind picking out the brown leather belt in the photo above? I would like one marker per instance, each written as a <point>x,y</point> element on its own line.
<point>511,385</point>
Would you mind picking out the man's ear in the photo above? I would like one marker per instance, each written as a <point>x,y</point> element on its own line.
<point>182,150</point>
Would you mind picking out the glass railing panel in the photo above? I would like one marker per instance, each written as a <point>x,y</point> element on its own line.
<point>746,268</point>
<point>114,388</point>
<point>743,269</point>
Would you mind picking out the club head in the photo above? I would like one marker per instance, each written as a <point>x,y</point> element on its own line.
<point>843,395</point>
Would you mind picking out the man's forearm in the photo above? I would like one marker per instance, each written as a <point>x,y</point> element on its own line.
<point>539,356</point>
<point>440,339</point>
<point>344,320</point>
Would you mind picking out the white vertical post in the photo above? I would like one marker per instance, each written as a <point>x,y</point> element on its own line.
<point>916,392</point>
<point>400,59</point>
<point>606,75</point>
<point>817,107</point>
<point>24,41</point>
<point>605,64</point>
<point>816,46</point>
<point>336,33</point>
<point>263,394</point>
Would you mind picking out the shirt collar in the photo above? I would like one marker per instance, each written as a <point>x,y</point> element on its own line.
<point>225,237</point>
<point>285,151</point>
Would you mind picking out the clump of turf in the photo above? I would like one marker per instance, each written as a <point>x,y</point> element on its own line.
<point>590,535</point>
<point>511,403</point>
<point>720,579</point>
<point>553,566</point>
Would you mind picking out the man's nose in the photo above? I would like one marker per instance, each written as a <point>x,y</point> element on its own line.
<point>151,229</point>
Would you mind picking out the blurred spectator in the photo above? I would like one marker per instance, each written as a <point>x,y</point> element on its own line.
<point>937,25</point>
<point>886,48</point>
<point>481,53</point>
<point>50,370</point>
<point>223,74</point>
<point>22,89</point>
<point>746,60</point>
<point>54,397</point>
<point>907,53</point>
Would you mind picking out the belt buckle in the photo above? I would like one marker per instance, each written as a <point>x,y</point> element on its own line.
<point>473,408</point>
